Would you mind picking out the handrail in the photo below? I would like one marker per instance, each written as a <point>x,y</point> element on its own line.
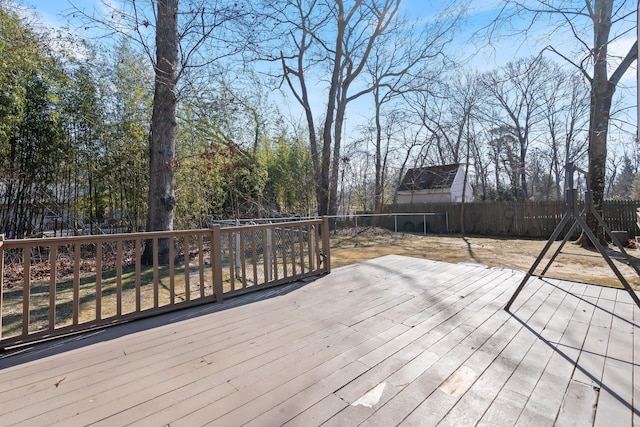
<point>60,285</point>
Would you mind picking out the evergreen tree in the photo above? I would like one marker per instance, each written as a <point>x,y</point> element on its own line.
<point>623,187</point>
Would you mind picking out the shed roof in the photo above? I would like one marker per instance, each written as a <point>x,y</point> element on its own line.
<point>429,178</point>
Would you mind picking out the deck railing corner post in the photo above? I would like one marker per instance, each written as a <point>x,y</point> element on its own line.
<point>326,249</point>
<point>268,254</point>
<point>216,262</point>
<point>1,279</point>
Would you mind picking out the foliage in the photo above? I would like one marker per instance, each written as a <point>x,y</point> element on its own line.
<point>635,187</point>
<point>75,123</point>
<point>31,129</point>
<point>623,186</point>
<point>128,86</point>
<point>290,176</point>
<point>31,165</point>
<point>218,178</point>
<point>20,56</point>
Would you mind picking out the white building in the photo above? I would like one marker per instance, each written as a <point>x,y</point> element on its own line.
<point>439,184</point>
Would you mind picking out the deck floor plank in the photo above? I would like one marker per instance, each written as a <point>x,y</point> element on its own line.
<point>390,341</point>
<point>499,361</point>
<point>471,335</point>
<point>545,399</point>
<point>616,369</point>
<point>152,364</point>
<point>530,368</point>
<point>215,367</point>
<point>427,337</point>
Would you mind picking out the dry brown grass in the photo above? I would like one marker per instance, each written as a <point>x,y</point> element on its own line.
<point>573,263</point>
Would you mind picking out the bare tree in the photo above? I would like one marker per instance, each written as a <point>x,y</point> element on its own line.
<point>503,148</point>
<point>595,25</point>
<point>390,81</point>
<point>431,107</point>
<point>411,139</point>
<point>566,106</point>
<point>479,152</point>
<point>446,112</point>
<point>338,39</point>
<point>513,93</point>
<point>162,138</point>
<point>383,140</point>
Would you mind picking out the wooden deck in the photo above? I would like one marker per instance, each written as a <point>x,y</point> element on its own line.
<point>392,341</point>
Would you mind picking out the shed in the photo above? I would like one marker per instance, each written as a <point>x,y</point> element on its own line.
<point>440,184</point>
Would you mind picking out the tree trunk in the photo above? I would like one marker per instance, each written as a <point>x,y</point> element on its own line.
<point>335,163</point>
<point>601,94</point>
<point>379,182</point>
<point>600,108</point>
<point>163,130</point>
<point>524,195</point>
<point>328,181</point>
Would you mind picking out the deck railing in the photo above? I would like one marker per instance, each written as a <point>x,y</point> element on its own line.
<point>57,286</point>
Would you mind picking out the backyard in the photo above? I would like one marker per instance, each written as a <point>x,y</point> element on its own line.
<point>348,246</point>
<point>573,263</point>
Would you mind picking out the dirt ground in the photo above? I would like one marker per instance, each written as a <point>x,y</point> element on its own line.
<point>572,263</point>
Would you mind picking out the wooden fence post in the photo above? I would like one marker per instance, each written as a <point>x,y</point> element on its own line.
<point>1,278</point>
<point>326,250</point>
<point>216,262</point>
<point>267,254</point>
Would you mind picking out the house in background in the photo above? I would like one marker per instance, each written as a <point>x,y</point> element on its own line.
<point>439,184</point>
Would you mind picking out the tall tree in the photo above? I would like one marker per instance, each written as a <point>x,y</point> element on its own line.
<point>162,138</point>
<point>20,56</point>
<point>175,38</point>
<point>565,112</point>
<point>129,81</point>
<point>595,25</point>
<point>390,81</point>
<point>336,39</point>
<point>513,98</point>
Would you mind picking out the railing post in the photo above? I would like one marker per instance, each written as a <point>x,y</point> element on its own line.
<point>26,289</point>
<point>236,255</point>
<point>1,279</point>
<point>267,253</point>
<point>326,250</point>
<point>216,262</point>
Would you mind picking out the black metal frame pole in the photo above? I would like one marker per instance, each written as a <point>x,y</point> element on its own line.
<point>570,196</point>
<point>557,252</point>
<point>607,258</point>
<point>572,210</point>
<point>613,267</point>
<point>564,242</point>
<point>554,236</point>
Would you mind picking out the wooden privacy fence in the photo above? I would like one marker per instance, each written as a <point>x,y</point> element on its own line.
<point>56,286</point>
<point>524,219</point>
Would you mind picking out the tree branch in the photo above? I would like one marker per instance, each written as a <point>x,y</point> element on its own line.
<point>631,56</point>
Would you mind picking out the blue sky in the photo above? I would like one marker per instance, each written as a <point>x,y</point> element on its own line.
<point>481,12</point>
<point>52,11</point>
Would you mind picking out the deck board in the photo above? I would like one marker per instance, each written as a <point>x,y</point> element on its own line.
<point>391,341</point>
